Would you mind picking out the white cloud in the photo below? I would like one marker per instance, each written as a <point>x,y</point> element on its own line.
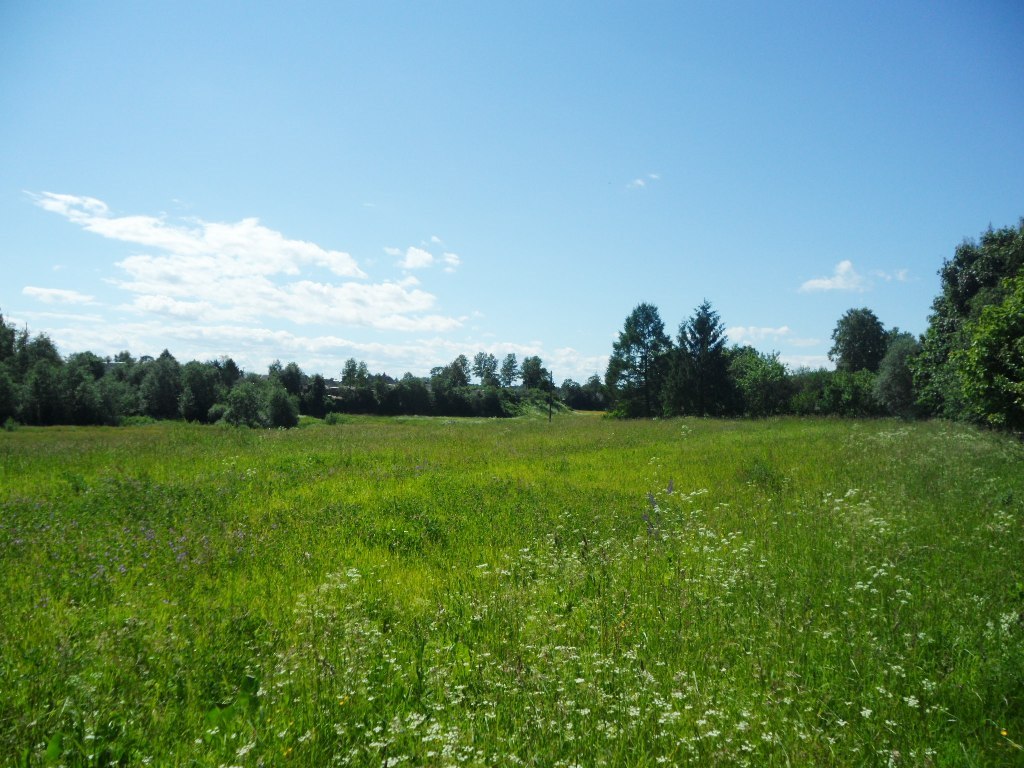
<point>416,258</point>
<point>805,342</point>
<point>568,363</point>
<point>806,361</point>
<point>451,261</point>
<point>642,181</point>
<point>844,278</point>
<point>56,295</point>
<point>900,275</point>
<point>245,245</point>
<point>750,334</point>
<point>223,273</point>
<point>395,252</point>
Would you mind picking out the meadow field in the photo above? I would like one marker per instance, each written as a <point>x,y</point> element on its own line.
<point>585,592</point>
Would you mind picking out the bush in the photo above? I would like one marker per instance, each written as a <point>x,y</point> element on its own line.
<point>894,387</point>
<point>217,413</point>
<point>282,408</point>
<point>246,405</point>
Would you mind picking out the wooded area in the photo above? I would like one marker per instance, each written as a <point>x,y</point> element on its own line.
<point>969,365</point>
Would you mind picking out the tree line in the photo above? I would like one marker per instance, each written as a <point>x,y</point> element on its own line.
<point>39,387</point>
<point>698,374</point>
<point>969,364</point>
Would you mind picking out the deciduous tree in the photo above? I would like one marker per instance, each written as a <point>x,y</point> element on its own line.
<point>991,368</point>
<point>161,387</point>
<point>485,367</point>
<point>894,387</point>
<point>509,370</point>
<point>534,374</point>
<point>971,280</point>
<point>859,341</point>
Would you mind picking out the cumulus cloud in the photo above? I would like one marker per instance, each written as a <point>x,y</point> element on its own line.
<point>568,363</point>
<point>242,272</point>
<point>246,244</point>
<point>844,278</point>
<point>56,295</point>
<point>413,257</point>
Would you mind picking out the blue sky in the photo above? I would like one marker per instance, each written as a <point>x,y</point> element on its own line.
<point>405,182</point>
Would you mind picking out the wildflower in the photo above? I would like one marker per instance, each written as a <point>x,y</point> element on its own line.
<point>865,713</point>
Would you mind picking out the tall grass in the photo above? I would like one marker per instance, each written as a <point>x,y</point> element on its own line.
<point>585,592</point>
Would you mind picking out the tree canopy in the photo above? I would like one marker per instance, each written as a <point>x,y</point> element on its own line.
<point>859,341</point>
<point>637,364</point>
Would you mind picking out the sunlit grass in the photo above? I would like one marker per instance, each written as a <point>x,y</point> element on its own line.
<point>471,592</point>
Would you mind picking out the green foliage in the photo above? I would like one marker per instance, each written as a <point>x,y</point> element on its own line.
<point>452,376</point>
<point>355,374</point>
<point>485,367</point>
<point>584,397</point>
<point>247,406</point>
<point>292,379</point>
<point>314,397</point>
<point>282,408</point>
<point>894,387</point>
<point>229,372</point>
<point>835,393</point>
<point>859,341</point>
<point>200,389</point>
<point>973,279</point>
<point>30,350</point>
<point>218,412</point>
<point>637,366</point>
<point>991,368</point>
<point>534,374</point>
<point>82,401</point>
<point>698,382</point>
<point>762,381</point>
<point>161,387</point>
<point>510,372</point>
<point>41,400</point>
<point>8,334</point>
<point>9,395</point>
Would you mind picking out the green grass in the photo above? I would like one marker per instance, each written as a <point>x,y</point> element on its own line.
<point>475,592</point>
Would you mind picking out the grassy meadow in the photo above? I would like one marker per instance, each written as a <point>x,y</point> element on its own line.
<point>585,592</point>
